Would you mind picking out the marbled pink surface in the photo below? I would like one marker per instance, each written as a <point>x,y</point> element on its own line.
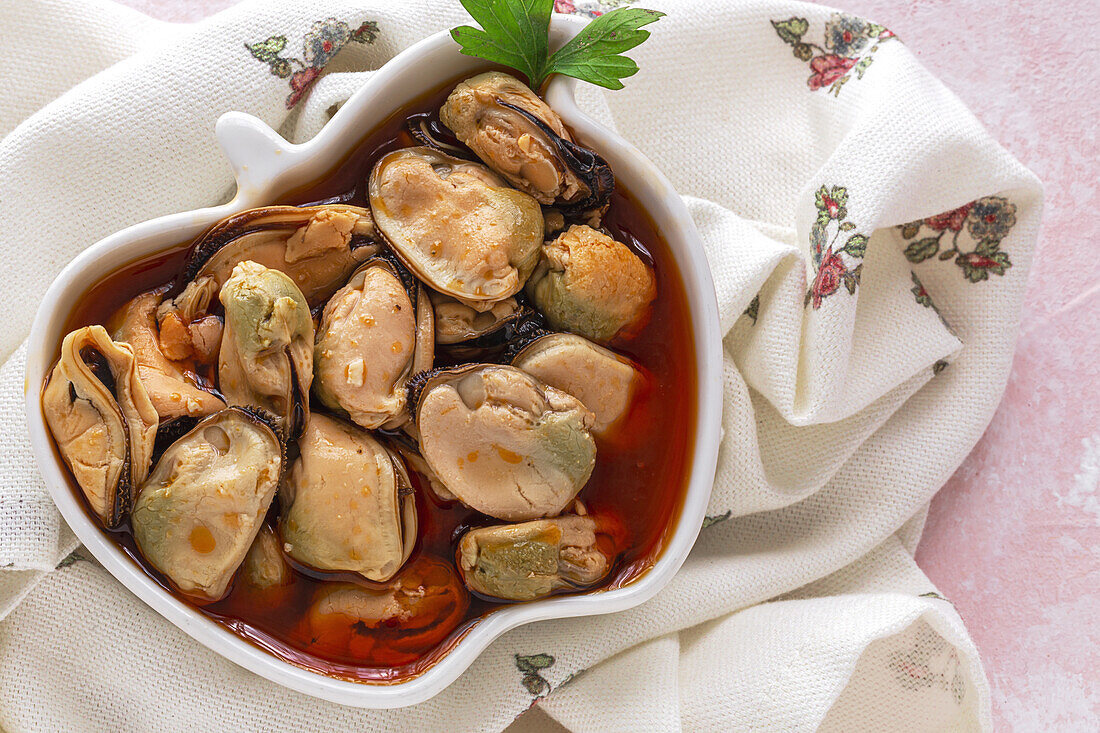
<point>1014,537</point>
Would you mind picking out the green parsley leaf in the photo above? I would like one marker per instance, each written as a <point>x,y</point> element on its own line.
<point>594,54</point>
<point>515,33</point>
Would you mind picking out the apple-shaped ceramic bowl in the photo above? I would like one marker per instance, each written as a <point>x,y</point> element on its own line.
<point>265,165</point>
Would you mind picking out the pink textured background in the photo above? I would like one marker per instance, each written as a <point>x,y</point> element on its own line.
<point>1014,537</point>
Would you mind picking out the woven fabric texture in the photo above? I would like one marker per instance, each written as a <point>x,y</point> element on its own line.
<point>869,242</point>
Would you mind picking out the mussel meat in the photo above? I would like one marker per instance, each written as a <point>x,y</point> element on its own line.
<point>501,441</point>
<point>266,357</point>
<point>455,224</point>
<point>604,381</point>
<point>374,333</point>
<point>418,465</point>
<point>590,284</point>
<point>348,503</point>
<point>264,565</point>
<point>456,322</point>
<point>521,562</point>
<point>522,139</point>
<point>171,385</point>
<point>317,246</point>
<point>102,418</point>
<point>393,624</point>
<point>201,507</point>
<point>187,330</point>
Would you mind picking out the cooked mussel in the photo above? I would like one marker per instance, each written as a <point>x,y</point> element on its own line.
<point>521,562</point>
<point>416,464</point>
<point>428,131</point>
<point>348,503</point>
<point>264,565</point>
<point>187,329</point>
<point>522,139</point>
<point>392,624</point>
<point>455,224</point>
<point>102,419</point>
<point>170,381</point>
<point>317,246</point>
<point>590,284</point>
<point>604,381</point>
<point>375,332</point>
<point>456,322</point>
<point>201,507</point>
<point>501,441</point>
<point>464,335</point>
<point>266,356</point>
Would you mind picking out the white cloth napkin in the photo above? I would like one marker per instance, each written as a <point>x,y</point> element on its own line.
<point>869,243</point>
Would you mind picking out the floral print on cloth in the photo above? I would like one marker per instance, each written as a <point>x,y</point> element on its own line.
<point>834,265</point>
<point>72,558</point>
<point>753,311</point>
<point>323,40</point>
<point>848,48</point>
<point>531,666</point>
<point>929,662</point>
<point>971,235</point>
<point>712,519</point>
<point>923,298</point>
<point>588,8</point>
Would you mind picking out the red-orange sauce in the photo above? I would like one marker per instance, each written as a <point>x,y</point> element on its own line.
<point>641,470</point>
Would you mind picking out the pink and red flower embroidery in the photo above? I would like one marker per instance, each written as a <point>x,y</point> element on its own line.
<point>300,82</point>
<point>588,8</point>
<point>323,40</point>
<point>834,266</point>
<point>827,69</point>
<point>929,662</point>
<point>848,47</point>
<point>326,37</point>
<point>983,224</point>
<point>922,296</point>
<point>952,220</point>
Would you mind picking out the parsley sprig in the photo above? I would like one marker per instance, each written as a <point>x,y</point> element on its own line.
<point>515,33</point>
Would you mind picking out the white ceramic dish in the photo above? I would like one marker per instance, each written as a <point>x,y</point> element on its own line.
<point>265,166</point>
